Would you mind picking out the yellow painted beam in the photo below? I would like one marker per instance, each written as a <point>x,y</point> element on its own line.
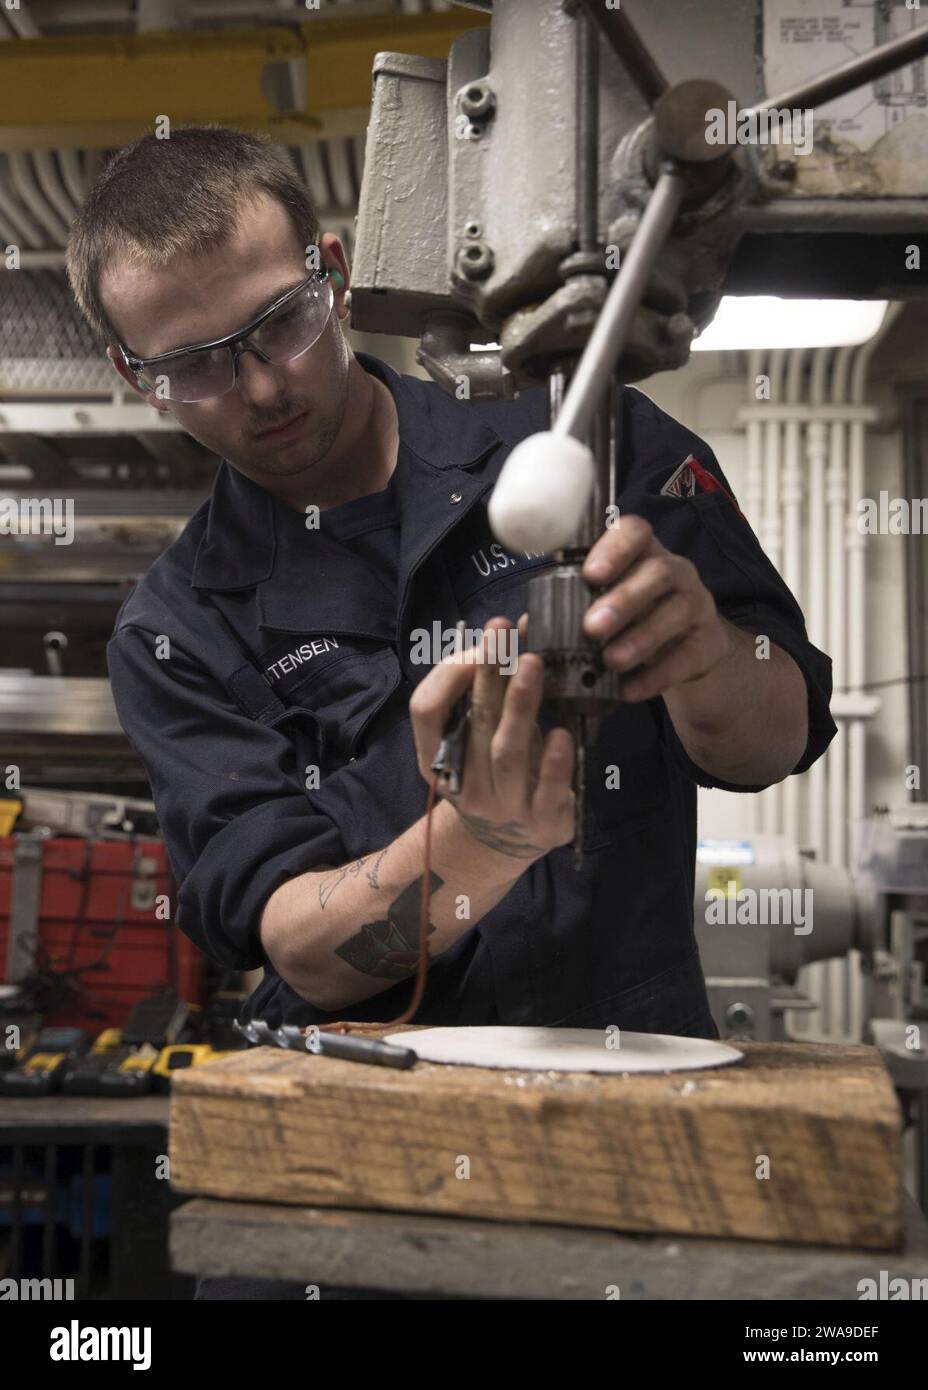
<point>97,91</point>
<point>106,135</point>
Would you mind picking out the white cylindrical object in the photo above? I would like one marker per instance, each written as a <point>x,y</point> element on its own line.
<point>542,493</point>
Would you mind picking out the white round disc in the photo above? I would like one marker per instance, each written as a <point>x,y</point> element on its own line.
<point>566,1049</point>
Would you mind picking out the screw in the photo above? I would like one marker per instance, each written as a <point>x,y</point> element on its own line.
<point>477,101</point>
<point>474,260</point>
<point>739,1015</point>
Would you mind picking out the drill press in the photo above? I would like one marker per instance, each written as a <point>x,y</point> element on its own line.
<point>550,496</point>
<point>524,201</point>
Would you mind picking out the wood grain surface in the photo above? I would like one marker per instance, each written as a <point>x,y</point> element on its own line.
<point>680,1152</point>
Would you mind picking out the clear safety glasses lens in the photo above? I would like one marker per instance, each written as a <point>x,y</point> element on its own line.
<point>286,334</point>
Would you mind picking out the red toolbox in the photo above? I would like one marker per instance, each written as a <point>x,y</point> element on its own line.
<point>104,916</point>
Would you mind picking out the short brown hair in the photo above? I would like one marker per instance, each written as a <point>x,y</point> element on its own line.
<point>158,199</point>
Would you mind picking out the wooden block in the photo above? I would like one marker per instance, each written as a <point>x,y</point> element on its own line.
<point>678,1152</point>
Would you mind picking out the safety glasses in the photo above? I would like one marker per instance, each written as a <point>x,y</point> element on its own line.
<point>281,333</point>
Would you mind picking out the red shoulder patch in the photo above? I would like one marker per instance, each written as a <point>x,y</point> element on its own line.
<point>690,477</point>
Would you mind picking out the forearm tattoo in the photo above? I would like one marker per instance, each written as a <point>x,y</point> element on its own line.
<point>372,878</point>
<point>328,886</point>
<point>508,837</point>
<point>389,949</point>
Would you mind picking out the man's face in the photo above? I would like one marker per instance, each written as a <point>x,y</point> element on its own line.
<point>197,300</point>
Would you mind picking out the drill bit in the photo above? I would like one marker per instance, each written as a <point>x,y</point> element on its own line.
<point>449,759</point>
<point>328,1044</point>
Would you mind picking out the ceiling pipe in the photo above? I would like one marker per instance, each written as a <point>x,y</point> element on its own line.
<point>52,185</point>
<point>22,24</point>
<point>73,175</point>
<point>24,181</point>
<point>26,232</point>
<point>346,195</point>
<point>315,175</point>
<point>7,238</point>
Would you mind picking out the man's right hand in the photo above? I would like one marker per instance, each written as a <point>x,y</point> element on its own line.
<point>516,791</point>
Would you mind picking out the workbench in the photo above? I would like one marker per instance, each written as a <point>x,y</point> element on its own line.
<point>467,1258</point>
<point>33,1133</point>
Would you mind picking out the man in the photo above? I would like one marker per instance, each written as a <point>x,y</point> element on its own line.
<point>268,667</point>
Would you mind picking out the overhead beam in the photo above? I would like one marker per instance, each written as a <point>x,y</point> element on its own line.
<point>95,91</point>
<point>83,417</point>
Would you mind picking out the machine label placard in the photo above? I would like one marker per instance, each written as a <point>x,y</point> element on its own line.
<point>725,853</point>
<point>803,38</point>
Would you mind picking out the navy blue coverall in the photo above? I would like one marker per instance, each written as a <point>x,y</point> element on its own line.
<point>290,648</point>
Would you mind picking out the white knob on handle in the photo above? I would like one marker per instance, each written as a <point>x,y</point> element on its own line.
<point>542,493</point>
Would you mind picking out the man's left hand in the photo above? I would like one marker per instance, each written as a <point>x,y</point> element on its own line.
<point>663,617</point>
